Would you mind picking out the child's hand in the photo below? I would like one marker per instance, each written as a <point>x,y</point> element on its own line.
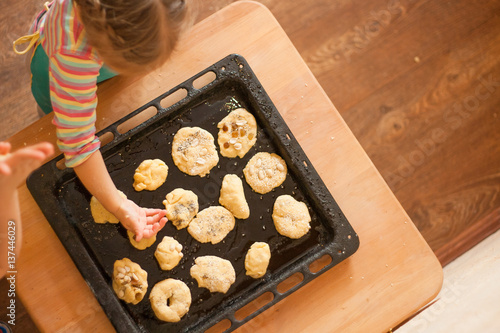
<point>143,222</point>
<point>15,167</point>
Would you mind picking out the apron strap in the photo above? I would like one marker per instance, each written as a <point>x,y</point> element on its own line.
<point>32,39</point>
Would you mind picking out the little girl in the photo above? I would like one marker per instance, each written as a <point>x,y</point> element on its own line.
<point>79,43</point>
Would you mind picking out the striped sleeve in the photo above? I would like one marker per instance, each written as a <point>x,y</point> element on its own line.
<point>72,81</point>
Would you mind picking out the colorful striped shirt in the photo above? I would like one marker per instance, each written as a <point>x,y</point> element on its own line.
<point>73,69</point>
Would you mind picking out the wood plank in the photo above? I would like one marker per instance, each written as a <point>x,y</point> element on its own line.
<point>381,272</point>
<point>439,130</point>
<point>469,237</point>
<point>17,104</point>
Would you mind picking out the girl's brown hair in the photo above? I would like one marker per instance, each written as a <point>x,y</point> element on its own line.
<point>133,35</point>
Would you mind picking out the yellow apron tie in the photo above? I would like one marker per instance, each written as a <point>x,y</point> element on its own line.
<point>32,39</point>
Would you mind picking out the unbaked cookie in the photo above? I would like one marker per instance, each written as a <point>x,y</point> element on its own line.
<point>214,273</point>
<point>100,214</point>
<point>170,300</point>
<point>143,244</point>
<point>264,172</point>
<point>291,217</point>
<point>168,253</point>
<point>193,151</point>
<point>211,225</point>
<point>237,133</point>
<point>181,206</point>
<point>130,281</point>
<point>150,175</point>
<point>257,259</point>
<point>233,198</point>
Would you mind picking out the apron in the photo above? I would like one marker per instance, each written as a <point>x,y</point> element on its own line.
<point>39,64</point>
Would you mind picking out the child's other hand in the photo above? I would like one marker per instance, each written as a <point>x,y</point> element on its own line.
<point>143,222</point>
<point>16,166</point>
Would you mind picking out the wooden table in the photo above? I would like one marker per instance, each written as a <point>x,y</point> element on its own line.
<point>392,275</point>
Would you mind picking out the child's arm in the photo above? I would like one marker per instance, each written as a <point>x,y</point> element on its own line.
<point>74,99</point>
<point>14,168</point>
<point>142,222</point>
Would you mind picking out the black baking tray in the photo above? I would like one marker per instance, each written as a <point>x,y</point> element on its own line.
<point>95,247</point>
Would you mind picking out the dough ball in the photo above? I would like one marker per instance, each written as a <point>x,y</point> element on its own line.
<point>181,206</point>
<point>130,281</point>
<point>237,133</point>
<point>170,300</point>
<point>214,273</point>
<point>100,214</point>
<point>211,225</point>
<point>193,151</point>
<point>291,217</point>
<point>233,198</point>
<point>150,175</point>
<point>264,172</point>
<point>168,253</point>
<point>257,259</point>
<point>143,244</point>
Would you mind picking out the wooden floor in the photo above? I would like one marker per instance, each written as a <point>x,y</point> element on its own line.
<point>417,81</point>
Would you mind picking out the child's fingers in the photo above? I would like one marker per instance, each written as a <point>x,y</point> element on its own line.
<point>148,233</point>
<point>28,154</point>
<point>45,147</point>
<point>138,235</point>
<point>156,227</point>
<point>5,169</point>
<point>153,212</point>
<point>156,217</point>
<point>4,148</point>
<point>162,223</point>
<point>152,219</point>
<point>38,152</point>
<point>159,225</point>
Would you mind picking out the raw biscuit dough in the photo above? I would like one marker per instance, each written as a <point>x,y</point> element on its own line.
<point>237,133</point>
<point>193,151</point>
<point>233,198</point>
<point>130,281</point>
<point>291,217</point>
<point>214,273</point>
<point>181,206</point>
<point>211,225</point>
<point>168,253</point>
<point>100,214</point>
<point>170,300</point>
<point>150,175</point>
<point>144,242</point>
<point>264,172</point>
<point>257,259</point>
